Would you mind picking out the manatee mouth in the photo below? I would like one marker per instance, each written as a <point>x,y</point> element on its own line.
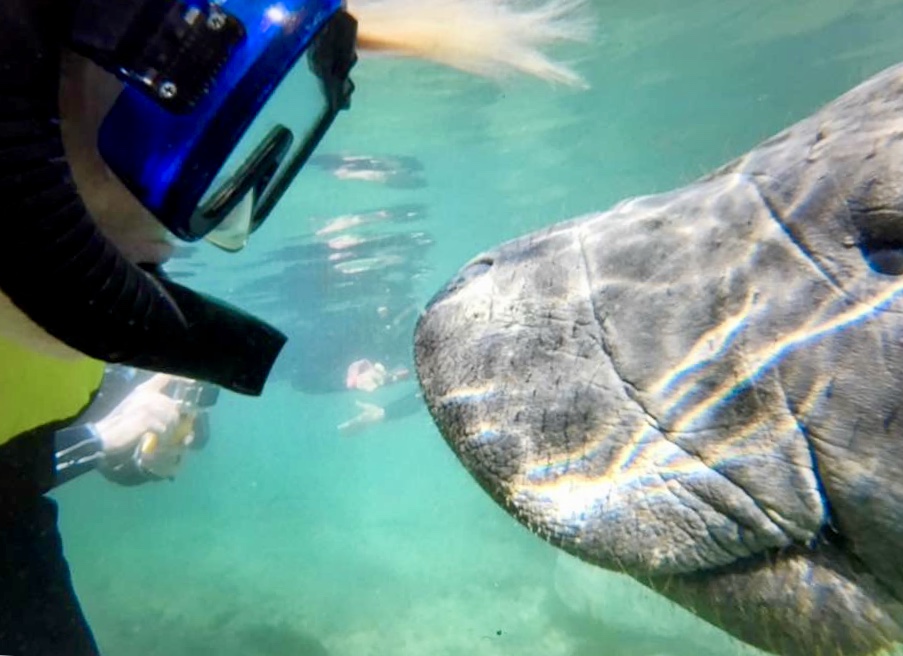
<point>795,602</point>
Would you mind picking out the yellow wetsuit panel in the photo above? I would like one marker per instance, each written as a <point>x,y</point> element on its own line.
<point>36,389</point>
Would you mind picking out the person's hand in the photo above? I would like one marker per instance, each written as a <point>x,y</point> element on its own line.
<point>146,410</point>
<point>370,414</point>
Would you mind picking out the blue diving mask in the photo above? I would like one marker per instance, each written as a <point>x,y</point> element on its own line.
<point>224,102</point>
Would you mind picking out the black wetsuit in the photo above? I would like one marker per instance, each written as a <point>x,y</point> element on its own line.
<point>39,611</point>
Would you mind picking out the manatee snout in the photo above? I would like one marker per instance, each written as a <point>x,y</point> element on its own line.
<point>572,431</point>
<point>701,388</point>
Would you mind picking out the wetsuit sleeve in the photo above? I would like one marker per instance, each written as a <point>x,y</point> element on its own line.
<point>77,450</point>
<point>28,464</point>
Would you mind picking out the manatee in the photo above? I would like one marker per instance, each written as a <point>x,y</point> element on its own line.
<point>702,388</point>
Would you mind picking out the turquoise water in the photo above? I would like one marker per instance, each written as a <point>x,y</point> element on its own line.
<point>286,537</point>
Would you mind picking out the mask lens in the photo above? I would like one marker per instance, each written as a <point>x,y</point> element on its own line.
<point>269,145</point>
<point>281,138</point>
<point>232,234</point>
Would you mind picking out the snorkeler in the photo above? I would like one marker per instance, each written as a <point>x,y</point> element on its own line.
<point>125,123</point>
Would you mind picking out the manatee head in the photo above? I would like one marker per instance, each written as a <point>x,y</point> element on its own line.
<point>702,388</point>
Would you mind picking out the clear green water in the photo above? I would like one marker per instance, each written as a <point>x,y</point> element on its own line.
<point>285,537</point>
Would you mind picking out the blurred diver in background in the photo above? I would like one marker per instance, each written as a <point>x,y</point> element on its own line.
<point>404,172</point>
<point>347,292</point>
<point>370,413</point>
<point>347,295</point>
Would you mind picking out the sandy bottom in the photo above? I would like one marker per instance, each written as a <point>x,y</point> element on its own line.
<point>299,542</point>
<point>392,591</point>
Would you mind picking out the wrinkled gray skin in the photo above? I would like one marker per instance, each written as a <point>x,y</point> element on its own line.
<point>703,388</point>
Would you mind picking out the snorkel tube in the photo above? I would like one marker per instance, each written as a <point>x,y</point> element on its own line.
<point>58,268</point>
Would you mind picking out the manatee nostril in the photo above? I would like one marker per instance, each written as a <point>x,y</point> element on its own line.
<point>884,259</point>
<point>880,238</point>
<point>474,269</point>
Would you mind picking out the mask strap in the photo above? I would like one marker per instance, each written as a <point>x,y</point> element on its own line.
<point>170,49</point>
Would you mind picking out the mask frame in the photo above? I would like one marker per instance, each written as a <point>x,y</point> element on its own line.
<point>225,60</point>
